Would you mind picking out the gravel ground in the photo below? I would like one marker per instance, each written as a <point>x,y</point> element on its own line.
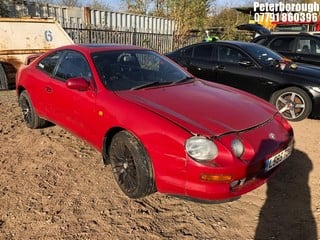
<point>54,186</point>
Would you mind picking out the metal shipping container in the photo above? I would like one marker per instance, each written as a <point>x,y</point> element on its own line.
<point>21,37</point>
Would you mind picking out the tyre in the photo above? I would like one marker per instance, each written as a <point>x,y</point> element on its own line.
<point>7,76</point>
<point>131,165</point>
<point>3,78</point>
<point>30,116</point>
<point>293,103</point>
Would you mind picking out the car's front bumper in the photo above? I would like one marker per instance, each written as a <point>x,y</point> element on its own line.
<point>270,143</point>
<point>315,113</point>
<point>245,180</point>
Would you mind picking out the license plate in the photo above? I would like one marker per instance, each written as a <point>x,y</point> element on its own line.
<point>278,158</point>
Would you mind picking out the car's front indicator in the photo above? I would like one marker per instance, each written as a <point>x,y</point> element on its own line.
<point>222,178</point>
<point>201,148</point>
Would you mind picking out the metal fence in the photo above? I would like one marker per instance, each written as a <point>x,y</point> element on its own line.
<point>86,16</point>
<point>86,25</point>
<point>160,42</point>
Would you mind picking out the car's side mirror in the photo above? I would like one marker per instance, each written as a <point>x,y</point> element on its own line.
<point>246,63</point>
<point>78,83</point>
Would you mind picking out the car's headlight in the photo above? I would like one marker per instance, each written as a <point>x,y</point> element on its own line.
<point>201,148</point>
<point>317,89</point>
<point>237,147</point>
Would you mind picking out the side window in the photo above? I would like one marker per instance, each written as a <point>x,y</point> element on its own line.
<point>316,47</point>
<point>49,63</point>
<point>187,52</point>
<point>231,55</point>
<point>303,46</point>
<point>203,52</point>
<point>284,44</point>
<point>308,46</point>
<point>73,65</point>
<point>260,40</point>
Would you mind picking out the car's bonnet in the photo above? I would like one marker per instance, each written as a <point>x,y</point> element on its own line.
<point>203,109</point>
<point>304,71</point>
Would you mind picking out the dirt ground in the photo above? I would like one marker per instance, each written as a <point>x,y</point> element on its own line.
<point>54,186</point>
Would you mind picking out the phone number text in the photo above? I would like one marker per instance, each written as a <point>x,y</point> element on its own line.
<point>286,17</point>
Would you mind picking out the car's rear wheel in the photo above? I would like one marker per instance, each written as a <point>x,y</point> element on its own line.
<point>293,103</point>
<point>29,114</point>
<point>7,76</point>
<point>131,165</point>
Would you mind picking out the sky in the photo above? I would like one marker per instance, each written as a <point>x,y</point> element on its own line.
<point>116,4</point>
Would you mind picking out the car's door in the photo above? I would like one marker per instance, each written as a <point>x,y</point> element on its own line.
<point>73,109</point>
<point>182,56</point>
<point>201,62</point>
<point>284,45</point>
<point>307,50</point>
<point>38,90</point>
<point>237,69</point>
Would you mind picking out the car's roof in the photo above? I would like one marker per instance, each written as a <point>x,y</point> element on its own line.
<point>229,42</point>
<point>295,34</point>
<point>91,48</point>
<point>239,44</point>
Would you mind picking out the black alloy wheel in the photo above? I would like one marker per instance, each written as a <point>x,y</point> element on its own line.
<point>30,117</point>
<point>131,165</point>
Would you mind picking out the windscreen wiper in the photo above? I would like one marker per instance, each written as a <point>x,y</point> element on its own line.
<point>186,79</point>
<point>150,84</point>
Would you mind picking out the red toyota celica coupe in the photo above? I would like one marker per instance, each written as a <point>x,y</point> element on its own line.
<point>160,128</point>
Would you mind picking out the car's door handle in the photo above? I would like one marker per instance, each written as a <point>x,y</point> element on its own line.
<point>48,89</point>
<point>219,67</point>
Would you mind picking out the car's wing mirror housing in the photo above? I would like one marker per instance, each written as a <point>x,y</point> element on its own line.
<point>78,83</point>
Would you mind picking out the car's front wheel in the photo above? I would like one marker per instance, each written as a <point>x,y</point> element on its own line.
<point>293,103</point>
<point>131,165</point>
<point>29,114</point>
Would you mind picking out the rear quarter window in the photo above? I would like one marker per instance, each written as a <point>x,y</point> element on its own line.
<point>187,52</point>
<point>49,63</point>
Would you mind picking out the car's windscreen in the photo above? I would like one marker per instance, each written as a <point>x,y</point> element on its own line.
<point>136,69</point>
<point>262,54</point>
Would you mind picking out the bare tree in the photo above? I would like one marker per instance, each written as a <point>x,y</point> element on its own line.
<point>188,15</point>
<point>229,19</point>
<point>160,8</point>
<point>99,4</point>
<point>137,6</point>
